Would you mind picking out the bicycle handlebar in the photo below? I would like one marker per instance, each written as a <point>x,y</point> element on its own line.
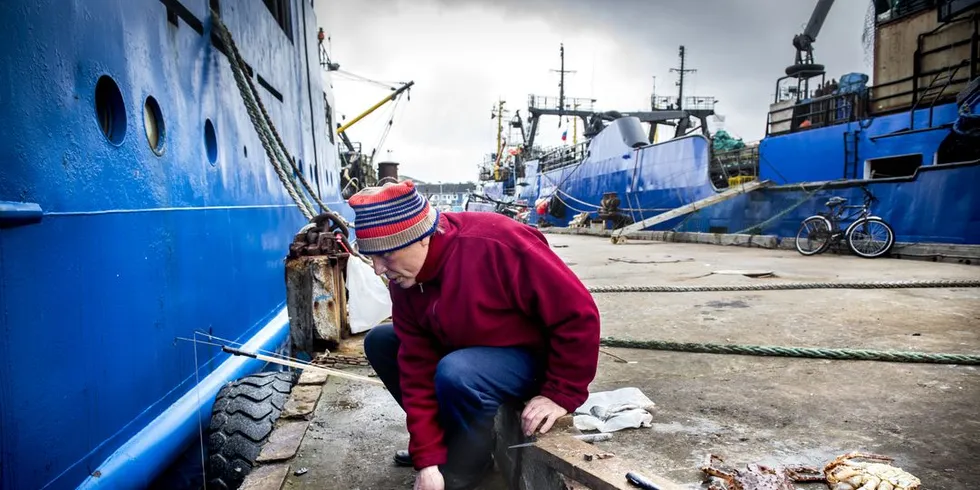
<point>868,195</point>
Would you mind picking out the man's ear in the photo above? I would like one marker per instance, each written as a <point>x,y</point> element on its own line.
<point>424,242</point>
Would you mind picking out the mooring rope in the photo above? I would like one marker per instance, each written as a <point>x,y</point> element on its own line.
<point>779,215</point>
<point>275,154</point>
<point>813,353</point>
<point>944,283</point>
<point>278,155</point>
<point>266,129</point>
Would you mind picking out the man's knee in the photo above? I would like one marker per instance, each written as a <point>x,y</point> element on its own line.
<point>380,343</point>
<point>455,376</point>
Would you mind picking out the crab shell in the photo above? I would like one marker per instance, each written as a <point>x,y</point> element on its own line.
<point>844,474</point>
<point>753,477</point>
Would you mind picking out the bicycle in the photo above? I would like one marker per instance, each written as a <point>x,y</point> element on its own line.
<point>867,236</point>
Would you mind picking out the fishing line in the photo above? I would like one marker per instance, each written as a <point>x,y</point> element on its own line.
<point>356,77</point>
<point>294,364</point>
<point>260,351</point>
<point>200,426</point>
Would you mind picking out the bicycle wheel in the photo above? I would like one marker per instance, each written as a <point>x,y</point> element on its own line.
<point>870,237</point>
<point>814,235</point>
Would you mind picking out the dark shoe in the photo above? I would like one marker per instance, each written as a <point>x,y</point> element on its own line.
<point>402,458</point>
<point>455,481</point>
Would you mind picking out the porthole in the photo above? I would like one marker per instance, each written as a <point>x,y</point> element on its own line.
<point>245,149</point>
<point>110,110</point>
<point>153,124</point>
<point>210,141</point>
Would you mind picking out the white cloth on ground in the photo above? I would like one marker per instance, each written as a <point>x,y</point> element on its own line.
<point>610,411</point>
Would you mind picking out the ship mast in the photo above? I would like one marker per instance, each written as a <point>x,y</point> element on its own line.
<point>561,83</point>
<point>680,81</point>
<point>500,125</point>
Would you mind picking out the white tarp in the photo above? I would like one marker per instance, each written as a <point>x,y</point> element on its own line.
<point>369,301</point>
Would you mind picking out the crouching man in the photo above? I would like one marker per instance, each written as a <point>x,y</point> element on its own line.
<point>483,313</point>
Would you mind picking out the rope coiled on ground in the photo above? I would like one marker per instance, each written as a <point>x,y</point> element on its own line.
<point>946,283</point>
<point>814,353</point>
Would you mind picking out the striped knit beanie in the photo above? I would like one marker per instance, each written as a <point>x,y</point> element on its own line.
<point>391,217</point>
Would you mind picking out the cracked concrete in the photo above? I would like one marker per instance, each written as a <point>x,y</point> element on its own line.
<point>770,410</point>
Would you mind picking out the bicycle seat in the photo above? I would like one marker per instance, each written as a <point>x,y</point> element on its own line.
<point>835,201</point>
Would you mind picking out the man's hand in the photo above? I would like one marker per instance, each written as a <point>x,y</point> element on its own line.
<point>540,409</point>
<point>429,478</point>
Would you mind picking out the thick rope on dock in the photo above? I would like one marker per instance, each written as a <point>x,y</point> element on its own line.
<point>813,353</point>
<point>945,283</point>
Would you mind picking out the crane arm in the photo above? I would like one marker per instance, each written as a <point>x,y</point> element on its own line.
<point>804,42</point>
<point>816,19</point>
<point>394,94</point>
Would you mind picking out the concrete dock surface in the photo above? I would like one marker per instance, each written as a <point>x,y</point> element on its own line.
<point>746,409</point>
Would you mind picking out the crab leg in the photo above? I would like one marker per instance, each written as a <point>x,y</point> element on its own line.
<point>805,474</point>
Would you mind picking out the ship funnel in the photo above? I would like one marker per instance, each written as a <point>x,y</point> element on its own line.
<point>631,129</point>
<point>387,172</point>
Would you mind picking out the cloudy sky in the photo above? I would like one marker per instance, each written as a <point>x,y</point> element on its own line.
<point>465,55</point>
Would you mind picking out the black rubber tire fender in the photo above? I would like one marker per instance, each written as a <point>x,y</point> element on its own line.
<point>242,418</point>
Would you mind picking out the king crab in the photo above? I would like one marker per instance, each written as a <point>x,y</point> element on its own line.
<point>758,477</point>
<point>843,473</point>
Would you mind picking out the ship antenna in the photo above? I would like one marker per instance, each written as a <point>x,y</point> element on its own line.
<point>561,83</point>
<point>680,82</point>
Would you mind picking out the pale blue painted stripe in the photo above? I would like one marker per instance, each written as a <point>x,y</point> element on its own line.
<point>159,210</point>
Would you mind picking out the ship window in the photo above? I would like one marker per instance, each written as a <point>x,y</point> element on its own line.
<point>110,110</point>
<point>153,125</point>
<point>245,149</point>
<point>210,141</point>
<point>891,167</point>
<point>281,11</point>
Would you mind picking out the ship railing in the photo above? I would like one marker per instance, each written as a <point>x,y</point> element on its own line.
<point>904,9</point>
<point>562,156</point>
<point>691,102</point>
<point>818,112</point>
<point>547,102</point>
<point>884,92</point>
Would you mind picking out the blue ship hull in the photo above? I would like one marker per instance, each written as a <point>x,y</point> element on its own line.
<point>937,203</point>
<point>110,249</point>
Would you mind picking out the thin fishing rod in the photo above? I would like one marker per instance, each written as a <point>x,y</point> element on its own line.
<point>294,364</point>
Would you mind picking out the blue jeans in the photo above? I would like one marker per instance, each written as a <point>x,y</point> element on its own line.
<point>471,384</point>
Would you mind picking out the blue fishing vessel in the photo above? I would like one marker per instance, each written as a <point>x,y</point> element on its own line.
<point>158,157</point>
<point>911,140</point>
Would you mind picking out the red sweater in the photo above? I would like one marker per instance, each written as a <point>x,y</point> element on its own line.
<point>490,281</point>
